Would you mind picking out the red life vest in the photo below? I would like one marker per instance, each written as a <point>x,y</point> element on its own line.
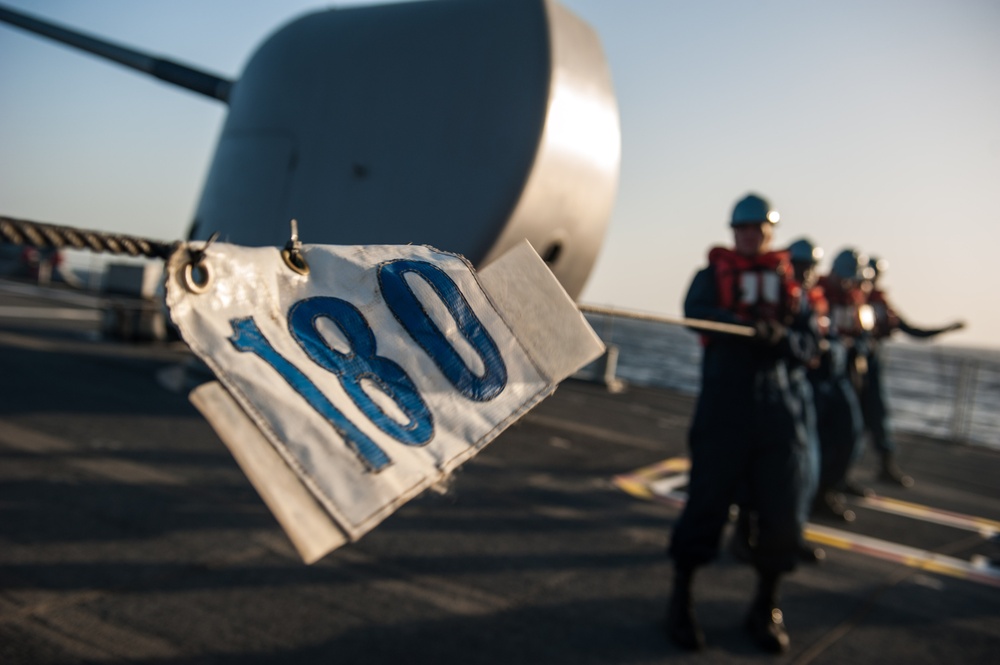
<point>846,306</point>
<point>757,287</point>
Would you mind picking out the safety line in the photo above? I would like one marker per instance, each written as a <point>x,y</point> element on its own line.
<point>60,313</point>
<point>51,293</point>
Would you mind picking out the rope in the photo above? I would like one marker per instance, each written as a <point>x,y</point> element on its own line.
<point>700,324</point>
<point>44,236</point>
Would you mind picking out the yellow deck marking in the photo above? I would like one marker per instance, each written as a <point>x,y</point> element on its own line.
<point>644,484</point>
<point>929,514</point>
<point>909,556</point>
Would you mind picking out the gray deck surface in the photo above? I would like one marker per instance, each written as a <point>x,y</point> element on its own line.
<point>128,534</point>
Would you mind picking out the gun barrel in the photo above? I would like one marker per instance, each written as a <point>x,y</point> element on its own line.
<point>203,83</point>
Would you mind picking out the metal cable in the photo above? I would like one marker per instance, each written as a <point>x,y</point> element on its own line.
<point>44,236</point>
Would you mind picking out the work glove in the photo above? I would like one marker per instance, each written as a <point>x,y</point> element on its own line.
<point>769,332</point>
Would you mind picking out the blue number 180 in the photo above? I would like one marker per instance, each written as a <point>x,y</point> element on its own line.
<point>362,363</point>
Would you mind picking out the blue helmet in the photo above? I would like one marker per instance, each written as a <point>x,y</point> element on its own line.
<point>753,209</point>
<point>877,265</point>
<point>849,264</point>
<point>804,250</point>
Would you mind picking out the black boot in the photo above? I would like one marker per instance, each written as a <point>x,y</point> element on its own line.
<point>680,624</point>
<point>891,473</point>
<point>764,621</point>
<point>855,488</point>
<point>832,505</point>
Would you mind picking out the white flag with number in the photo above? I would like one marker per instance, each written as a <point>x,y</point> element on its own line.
<point>377,371</point>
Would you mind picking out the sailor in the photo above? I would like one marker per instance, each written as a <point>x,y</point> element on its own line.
<point>746,431</point>
<point>805,255</point>
<point>842,367</point>
<point>874,406</point>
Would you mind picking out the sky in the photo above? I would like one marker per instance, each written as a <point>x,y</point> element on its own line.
<point>872,125</point>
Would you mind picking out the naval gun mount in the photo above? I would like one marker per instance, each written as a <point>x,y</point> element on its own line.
<point>468,125</point>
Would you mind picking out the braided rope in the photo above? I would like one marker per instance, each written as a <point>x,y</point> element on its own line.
<point>43,236</point>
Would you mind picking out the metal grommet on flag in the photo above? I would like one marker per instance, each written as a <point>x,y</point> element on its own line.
<point>292,253</point>
<point>197,277</point>
<point>295,261</point>
<point>196,274</point>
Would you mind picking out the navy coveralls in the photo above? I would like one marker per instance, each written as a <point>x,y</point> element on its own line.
<point>838,415</point>
<point>873,404</point>
<point>746,436</point>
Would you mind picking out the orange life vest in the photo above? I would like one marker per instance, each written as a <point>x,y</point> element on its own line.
<point>846,306</point>
<point>758,287</point>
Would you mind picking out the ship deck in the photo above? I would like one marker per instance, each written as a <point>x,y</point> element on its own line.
<point>129,534</point>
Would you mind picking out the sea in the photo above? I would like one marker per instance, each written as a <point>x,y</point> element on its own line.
<point>944,392</point>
